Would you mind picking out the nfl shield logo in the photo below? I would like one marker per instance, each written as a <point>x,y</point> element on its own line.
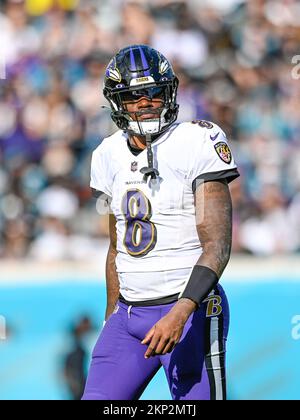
<point>134,166</point>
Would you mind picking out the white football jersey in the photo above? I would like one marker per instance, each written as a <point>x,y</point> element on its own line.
<point>156,225</point>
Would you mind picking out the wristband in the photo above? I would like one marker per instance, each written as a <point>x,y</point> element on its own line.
<point>200,284</point>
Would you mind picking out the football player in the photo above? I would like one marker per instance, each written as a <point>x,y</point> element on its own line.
<point>170,238</point>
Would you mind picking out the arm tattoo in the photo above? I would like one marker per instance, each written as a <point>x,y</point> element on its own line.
<point>213,201</point>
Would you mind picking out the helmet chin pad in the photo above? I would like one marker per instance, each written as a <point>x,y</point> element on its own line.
<point>153,126</point>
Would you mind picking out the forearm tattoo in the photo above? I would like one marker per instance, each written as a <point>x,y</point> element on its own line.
<point>215,225</point>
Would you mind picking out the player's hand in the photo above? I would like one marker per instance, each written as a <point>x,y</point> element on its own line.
<point>166,333</point>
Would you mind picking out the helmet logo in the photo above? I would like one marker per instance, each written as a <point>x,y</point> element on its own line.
<point>163,66</point>
<point>112,72</point>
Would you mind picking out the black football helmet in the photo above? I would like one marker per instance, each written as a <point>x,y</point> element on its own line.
<point>134,72</point>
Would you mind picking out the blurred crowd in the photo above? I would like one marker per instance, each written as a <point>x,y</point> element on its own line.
<point>234,60</point>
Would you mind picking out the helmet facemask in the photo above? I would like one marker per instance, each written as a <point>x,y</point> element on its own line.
<point>132,122</point>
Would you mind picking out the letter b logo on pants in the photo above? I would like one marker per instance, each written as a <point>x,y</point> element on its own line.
<point>214,307</point>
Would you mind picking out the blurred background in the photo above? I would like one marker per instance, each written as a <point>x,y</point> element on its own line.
<point>237,65</point>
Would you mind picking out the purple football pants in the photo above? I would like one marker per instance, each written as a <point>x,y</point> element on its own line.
<point>195,369</point>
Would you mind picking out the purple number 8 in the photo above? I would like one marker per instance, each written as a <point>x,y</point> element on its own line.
<point>140,234</point>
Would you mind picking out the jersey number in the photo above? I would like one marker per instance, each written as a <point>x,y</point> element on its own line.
<point>203,123</point>
<point>140,233</point>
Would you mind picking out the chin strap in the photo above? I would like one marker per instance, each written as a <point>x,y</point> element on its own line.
<point>149,170</point>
